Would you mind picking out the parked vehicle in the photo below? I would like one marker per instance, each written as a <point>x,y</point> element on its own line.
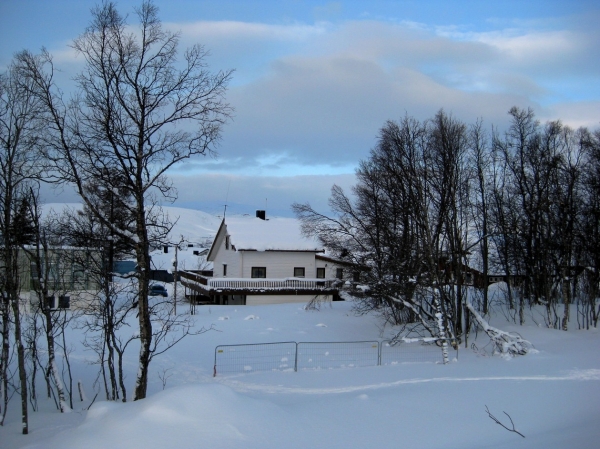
<point>157,290</point>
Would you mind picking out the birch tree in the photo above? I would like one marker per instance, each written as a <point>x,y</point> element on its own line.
<point>138,111</point>
<point>20,168</point>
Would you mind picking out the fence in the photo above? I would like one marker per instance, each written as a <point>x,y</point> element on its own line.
<point>292,356</point>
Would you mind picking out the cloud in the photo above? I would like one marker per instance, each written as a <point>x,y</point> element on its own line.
<point>245,194</point>
<point>580,114</point>
<point>310,98</point>
<point>323,100</point>
<point>235,31</point>
<point>328,109</point>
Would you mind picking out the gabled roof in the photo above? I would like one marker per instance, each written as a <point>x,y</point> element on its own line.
<point>277,233</point>
<point>249,233</point>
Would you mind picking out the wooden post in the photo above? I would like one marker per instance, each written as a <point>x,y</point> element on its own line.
<point>175,283</point>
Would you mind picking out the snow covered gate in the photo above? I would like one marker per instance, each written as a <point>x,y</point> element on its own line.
<point>293,356</point>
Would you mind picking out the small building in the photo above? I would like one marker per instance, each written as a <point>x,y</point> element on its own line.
<point>260,260</point>
<point>65,272</point>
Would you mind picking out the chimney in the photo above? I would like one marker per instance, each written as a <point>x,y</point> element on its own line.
<point>261,214</point>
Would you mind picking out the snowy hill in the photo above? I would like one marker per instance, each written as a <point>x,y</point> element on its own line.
<point>194,225</point>
<point>197,228</point>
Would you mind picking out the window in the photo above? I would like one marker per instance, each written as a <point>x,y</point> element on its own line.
<point>259,272</point>
<point>226,242</point>
<point>298,272</point>
<point>339,273</point>
<point>320,273</point>
<point>356,276</point>
<point>224,269</point>
<point>64,302</point>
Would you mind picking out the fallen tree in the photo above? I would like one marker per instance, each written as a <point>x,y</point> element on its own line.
<point>505,343</point>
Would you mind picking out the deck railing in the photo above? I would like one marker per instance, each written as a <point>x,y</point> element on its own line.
<point>259,284</point>
<point>271,284</point>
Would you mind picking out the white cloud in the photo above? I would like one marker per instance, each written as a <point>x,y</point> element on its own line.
<point>580,114</point>
<point>234,30</point>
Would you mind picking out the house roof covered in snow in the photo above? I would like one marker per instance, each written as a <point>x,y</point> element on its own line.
<point>273,234</point>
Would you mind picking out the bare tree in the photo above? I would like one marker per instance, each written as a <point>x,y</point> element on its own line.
<point>20,168</point>
<point>47,285</point>
<point>395,227</point>
<point>589,230</point>
<point>108,309</point>
<point>137,112</point>
<point>480,157</point>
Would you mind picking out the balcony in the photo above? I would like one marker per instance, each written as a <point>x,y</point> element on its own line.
<point>216,285</point>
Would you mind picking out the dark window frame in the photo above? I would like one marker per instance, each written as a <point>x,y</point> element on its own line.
<point>321,273</point>
<point>256,274</point>
<point>299,269</point>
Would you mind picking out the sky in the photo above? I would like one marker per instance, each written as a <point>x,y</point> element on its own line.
<point>314,81</point>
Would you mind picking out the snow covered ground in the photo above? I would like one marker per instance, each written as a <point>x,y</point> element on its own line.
<point>553,395</point>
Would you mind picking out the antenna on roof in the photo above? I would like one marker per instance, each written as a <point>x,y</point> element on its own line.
<point>226,199</point>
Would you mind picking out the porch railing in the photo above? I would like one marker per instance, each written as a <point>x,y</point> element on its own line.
<point>271,284</point>
<point>209,283</point>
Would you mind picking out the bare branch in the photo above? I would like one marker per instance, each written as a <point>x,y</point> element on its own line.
<point>497,421</point>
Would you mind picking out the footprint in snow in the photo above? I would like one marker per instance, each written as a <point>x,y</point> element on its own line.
<point>223,318</point>
<point>321,325</point>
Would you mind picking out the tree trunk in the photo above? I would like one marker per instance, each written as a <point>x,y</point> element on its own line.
<point>442,334</point>
<point>145,323</point>
<point>4,358</point>
<point>21,363</point>
<point>567,303</point>
<point>52,368</point>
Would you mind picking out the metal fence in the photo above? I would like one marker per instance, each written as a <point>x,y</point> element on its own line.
<point>292,356</point>
<point>256,357</point>
<point>328,355</point>
<point>411,351</point>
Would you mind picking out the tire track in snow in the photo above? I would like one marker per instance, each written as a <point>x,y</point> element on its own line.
<point>575,375</point>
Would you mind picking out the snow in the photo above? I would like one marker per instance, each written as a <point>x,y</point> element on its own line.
<point>274,233</point>
<point>553,396</point>
<point>199,229</point>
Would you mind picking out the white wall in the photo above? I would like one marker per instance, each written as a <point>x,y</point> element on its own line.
<point>279,264</point>
<point>330,268</point>
<point>226,256</point>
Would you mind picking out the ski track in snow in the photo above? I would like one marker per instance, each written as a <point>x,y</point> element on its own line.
<point>575,375</point>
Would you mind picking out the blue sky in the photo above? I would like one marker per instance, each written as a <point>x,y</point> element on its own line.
<point>314,81</point>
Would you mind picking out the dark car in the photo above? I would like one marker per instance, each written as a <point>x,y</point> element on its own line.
<point>157,290</point>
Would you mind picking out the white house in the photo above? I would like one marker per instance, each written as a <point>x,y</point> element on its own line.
<point>260,260</point>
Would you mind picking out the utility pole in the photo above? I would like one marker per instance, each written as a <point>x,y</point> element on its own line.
<point>175,282</point>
